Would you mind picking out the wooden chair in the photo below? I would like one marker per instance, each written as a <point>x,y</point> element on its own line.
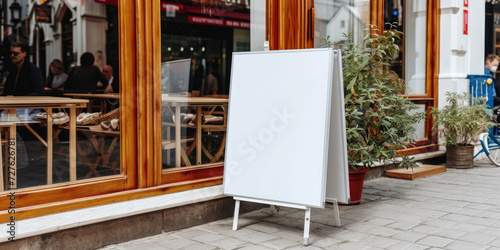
<point>169,144</point>
<point>96,143</point>
<point>220,110</point>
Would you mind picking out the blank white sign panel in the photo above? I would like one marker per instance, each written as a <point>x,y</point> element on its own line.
<point>278,126</point>
<point>337,187</point>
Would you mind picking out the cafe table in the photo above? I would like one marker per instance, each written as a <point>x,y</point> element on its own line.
<point>177,102</point>
<point>95,96</point>
<point>12,103</point>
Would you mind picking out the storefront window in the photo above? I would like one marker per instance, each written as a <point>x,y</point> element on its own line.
<point>73,46</point>
<point>415,46</point>
<point>337,17</point>
<point>409,18</point>
<point>197,41</point>
<point>394,20</point>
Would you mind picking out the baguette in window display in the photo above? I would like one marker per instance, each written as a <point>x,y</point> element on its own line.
<point>88,118</point>
<point>58,118</point>
<point>105,125</point>
<point>186,118</point>
<point>43,115</point>
<point>114,125</point>
<point>212,119</point>
<point>61,120</point>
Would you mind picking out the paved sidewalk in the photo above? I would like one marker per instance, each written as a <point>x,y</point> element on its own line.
<point>458,209</point>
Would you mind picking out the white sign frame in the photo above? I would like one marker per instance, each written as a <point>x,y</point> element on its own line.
<point>286,130</point>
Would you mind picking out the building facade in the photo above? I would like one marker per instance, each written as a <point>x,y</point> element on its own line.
<point>165,52</point>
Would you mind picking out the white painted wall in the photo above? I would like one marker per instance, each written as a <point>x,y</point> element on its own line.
<point>257,25</point>
<point>346,20</point>
<point>89,29</point>
<point>460,54</point>
<point>476,36</point>
<point>91,25</point>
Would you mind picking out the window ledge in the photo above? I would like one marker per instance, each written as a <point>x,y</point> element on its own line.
<point>457,76</point>
<point>81,217</point>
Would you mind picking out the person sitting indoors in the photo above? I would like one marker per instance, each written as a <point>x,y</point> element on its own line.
<point>57,77</point>
<point>113,86</point>
<point>84,78</point>
<point>24,78</point>
<point>210,83</point>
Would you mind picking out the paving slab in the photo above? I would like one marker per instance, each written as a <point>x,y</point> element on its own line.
<point>457,209</point>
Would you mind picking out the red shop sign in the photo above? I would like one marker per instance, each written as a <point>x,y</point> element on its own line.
<point>218,22</point>
<point>111,2</point>
<point>466,3</point>
<point>466,22</point>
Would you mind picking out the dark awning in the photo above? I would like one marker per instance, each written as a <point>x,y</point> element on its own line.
<point>112,2</point>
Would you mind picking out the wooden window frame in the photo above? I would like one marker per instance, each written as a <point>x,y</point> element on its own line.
<point>141,171</point>
<point>290,24</point>
<point>430,99</point>
<point>284,26</point>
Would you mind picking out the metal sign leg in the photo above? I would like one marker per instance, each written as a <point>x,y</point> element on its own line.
<point>307,224</point>
<point>236,213</point>
<point>336,214</point>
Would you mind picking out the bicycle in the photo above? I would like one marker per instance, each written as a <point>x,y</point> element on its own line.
<point>491,146</point>
<point>481,87</point>
<point>490,141</point>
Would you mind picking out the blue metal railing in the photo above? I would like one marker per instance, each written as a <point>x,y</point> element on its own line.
<point>479,87</point>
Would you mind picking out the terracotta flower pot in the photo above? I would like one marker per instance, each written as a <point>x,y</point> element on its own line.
<point>356,180</point>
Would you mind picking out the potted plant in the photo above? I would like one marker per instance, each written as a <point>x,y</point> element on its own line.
<point>461,124</point>
<point>379,122</point>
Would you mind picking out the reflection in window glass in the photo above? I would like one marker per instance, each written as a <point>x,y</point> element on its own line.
<point>394,20</point>
<point>420,127</point>
<point>68,55</point>
<point>197,41</point>
<point>415,31</point>
<point>409,17</point>
<point>337,17</point>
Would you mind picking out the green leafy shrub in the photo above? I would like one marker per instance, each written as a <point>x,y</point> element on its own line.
<point>379,121</point>
<point>460,123</point>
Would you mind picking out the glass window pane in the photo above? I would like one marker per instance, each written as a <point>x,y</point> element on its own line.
<point>394,20</point>
<point>419,127</point>
<point>415,41</point>
<point>337,17</point>
<point>197,41</point>
<point>68,57</point>
<point>409,17</point>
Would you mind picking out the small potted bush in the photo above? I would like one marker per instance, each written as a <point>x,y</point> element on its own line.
<point>460,124</point>
<point>379,122</point>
